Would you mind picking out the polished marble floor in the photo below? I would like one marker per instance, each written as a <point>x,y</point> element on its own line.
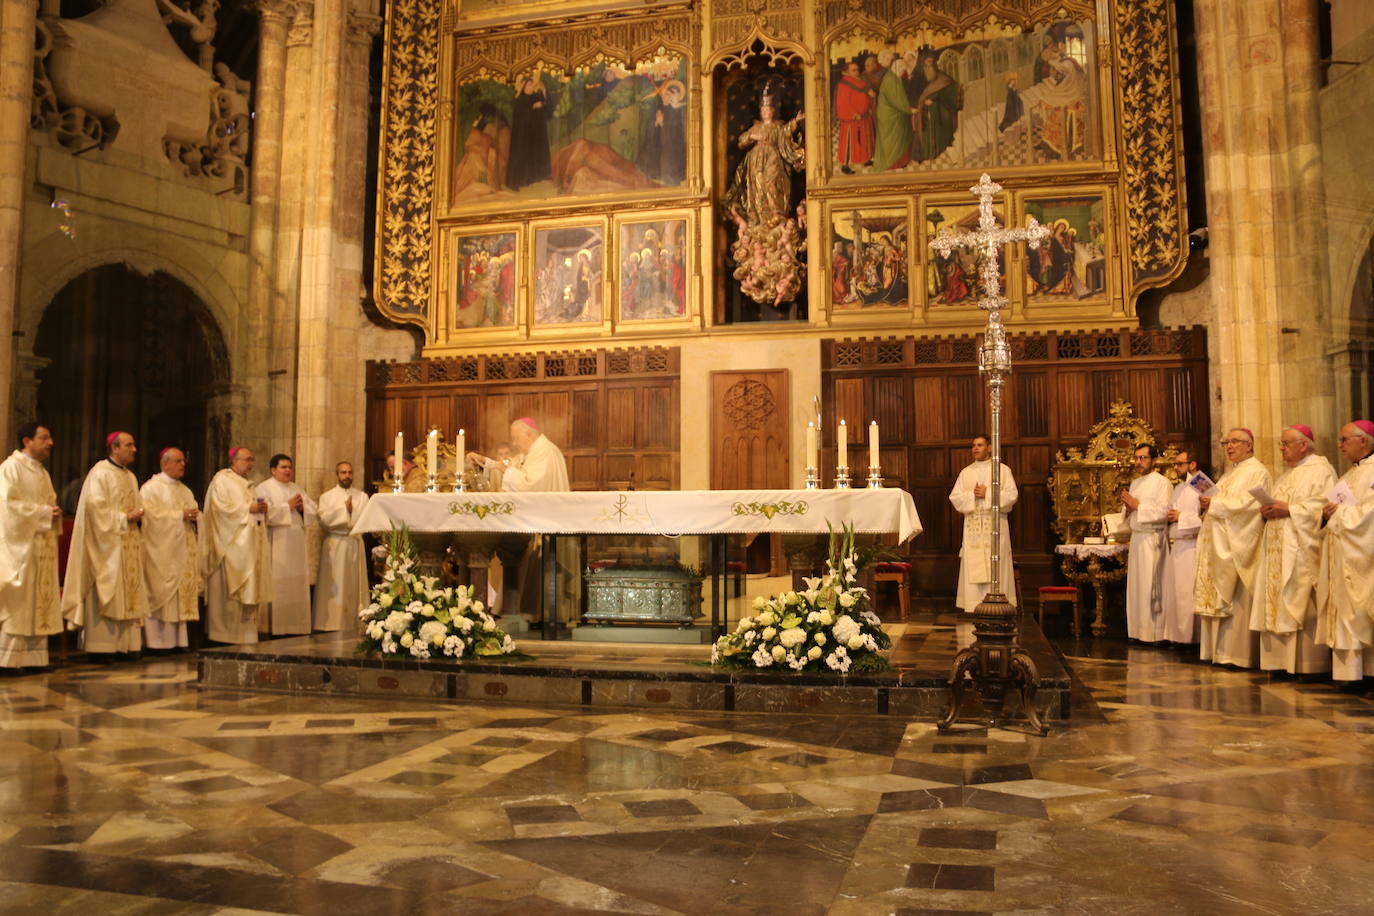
<point>1174,788</point>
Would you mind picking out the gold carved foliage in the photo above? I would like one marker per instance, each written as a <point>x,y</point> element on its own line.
<point>1153,177</point>
<point>737,24</point>
<point>954,16</point>
<point>408,150</point>
<point>564,47</point>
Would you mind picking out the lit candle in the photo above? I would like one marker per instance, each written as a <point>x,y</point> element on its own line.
<point>842,446</point>
<point>462,451</point>
<point>399,471</point>
<point>812,457</point>
<point>873,444</point>
<point>432,452</point>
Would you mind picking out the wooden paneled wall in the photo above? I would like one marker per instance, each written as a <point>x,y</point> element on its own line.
<point>930,402</point>
<point>614,413</point>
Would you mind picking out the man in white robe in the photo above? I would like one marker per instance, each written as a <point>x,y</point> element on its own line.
<point>30,602</point>
<point>104,592</point>
<point>171,554</point>
<point>972,497</point>
<point>341,589</point>
<point>1180,566</point>
<point>1228,553</point>
<point>238,561</point>
<point>289,514</point>
<point>1147,512</point>
<point>1345,582</point>
<point>1285,608</point>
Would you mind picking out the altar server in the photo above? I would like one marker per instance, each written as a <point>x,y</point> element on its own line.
<point>342,586</point>
<point>171,554</point>
<point>289,514</point>
<point>1345,582</point>
<point>1285,609</point>
<point>1147,512</point>
<point>1228,553</point>
<point>238,562</point>
<point>972,497</point>
<point>30,604</point>
<point>1180,566</point>
<point>104,592</point>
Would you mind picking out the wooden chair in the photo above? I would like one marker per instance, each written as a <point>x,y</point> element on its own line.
<point>1059,594</point>
<point>900,573</point>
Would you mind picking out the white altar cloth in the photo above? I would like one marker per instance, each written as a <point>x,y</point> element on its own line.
<point>665,512</point>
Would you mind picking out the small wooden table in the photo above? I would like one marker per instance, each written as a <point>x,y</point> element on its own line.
<point>1094,565</point>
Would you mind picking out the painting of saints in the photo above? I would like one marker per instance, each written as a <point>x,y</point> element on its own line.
<point>1073,263</point>
<point>486,153</point>
<point>854,103</point>
<point>663,156</point>
<point>486,281</point>
<point>955,279</point>
<point>937,112</point>
<point>653,275</point>
<point>868,261</point>
<point>894,120</point>
<point>1061,108</point>
<point>529,157</point>
<point>568,279</point>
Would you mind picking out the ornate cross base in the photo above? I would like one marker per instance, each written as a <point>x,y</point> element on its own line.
<point>993,664</point>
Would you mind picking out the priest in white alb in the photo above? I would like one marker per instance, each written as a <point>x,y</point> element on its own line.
<point>1228,554</point>
<point>1180,566</point>
<point>1284,612</point>
<point>972,497</point>
<point>238,561</point>
<point>341,588</point>
<point>1147,513</point>
<point>171,554</point>
<point>289,514</point>
<point>1345,582</point>
<point>104,592</point>
<point>30,602</point>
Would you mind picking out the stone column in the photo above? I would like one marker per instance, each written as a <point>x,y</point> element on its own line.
<point>17,24</point>
<point>1258,72</point>
<point>264,183</point>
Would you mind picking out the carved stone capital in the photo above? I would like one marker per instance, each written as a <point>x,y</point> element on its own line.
<point>362,27</point>
<point>273,12</point>
<point>302,23</point>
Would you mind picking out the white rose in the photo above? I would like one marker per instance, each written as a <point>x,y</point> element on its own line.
<point>769,633</point>
<point>779,653</point>
<point>488,624</point>
<point>766,618</point>
<point>793,637</point>
<point>387,599</point>
<point>827,618</point>
<point>374,630</point>
<point>760,602</point>
<point>856,642</point>
<point>427,610</point>
<point>846,599</point>
<point>744,624</point>
<point>478,606</point>
<point>815,653</point>
<point>820,639</point>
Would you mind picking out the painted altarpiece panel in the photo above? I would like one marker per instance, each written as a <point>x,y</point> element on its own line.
<point>953,281</point>
<point>1072,265</point>
<point>654,270</point>
<point>568,271</point>
<point>487,271</point>
<point>869,256</point>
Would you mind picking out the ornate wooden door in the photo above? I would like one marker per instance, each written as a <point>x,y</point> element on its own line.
<point>749,430</point>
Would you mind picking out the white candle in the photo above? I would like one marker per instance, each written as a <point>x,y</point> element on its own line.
<point>398,472</point>
<point>432,452</point>
<point>842,446</point>
<point>812,458</point>
<point>873,444</point>
<point>462,452</point>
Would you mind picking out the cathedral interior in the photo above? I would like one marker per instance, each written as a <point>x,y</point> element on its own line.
<point>673,233</point>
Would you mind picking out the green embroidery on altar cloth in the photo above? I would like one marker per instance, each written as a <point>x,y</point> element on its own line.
<point>768,510</point>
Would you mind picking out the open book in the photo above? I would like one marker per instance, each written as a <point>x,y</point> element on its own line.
<point>1115,525</point>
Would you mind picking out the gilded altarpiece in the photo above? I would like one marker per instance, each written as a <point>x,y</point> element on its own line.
<point>586,125</point>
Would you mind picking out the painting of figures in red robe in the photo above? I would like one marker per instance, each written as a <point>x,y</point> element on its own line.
<point>486,281</point>
<point>868,258</point>
<point>568,272</point>
<point>604,128</point>
<point>653,270</point>
<point>995,96</point>
<point>1073,263</point>
<point>955,280</point>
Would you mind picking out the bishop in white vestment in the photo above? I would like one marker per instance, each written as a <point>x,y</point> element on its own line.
<point>1345,582</point>
<point>171,557</point>
<point>238,562</point>
<point>1147,513</point>
<point>289,513</point>
<point>341,589</point>
<point>1228,553</point>
<point>1285,609</point>
<point>972,497</point>
<point>104,592</point>
<point>1180,566</point>
<point>30,602</point>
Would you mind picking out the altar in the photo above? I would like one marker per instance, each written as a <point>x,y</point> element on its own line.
<point>711,513</point>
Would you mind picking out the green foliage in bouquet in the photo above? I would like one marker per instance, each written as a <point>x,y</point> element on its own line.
<point>828,627</point>
<point>411,615</point>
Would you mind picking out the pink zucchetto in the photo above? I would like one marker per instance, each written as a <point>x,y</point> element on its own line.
<point>1305,430</point>
<point>110,439</point>
<point>1365,427</point>
<point>1249,435</point>
<point>234,451</point>
<point>529,422</point>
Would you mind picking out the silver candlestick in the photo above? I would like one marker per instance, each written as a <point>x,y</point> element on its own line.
<point>875,477</point>
<point>432,481</point>
<point>813,479</point>
<point>842,477</point>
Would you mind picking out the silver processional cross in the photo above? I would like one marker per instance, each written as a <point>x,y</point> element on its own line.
<point>994,356</point>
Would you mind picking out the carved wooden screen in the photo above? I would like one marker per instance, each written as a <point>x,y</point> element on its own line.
<point>749,430</point>
<point>930,402</point>
<point>614,413</point>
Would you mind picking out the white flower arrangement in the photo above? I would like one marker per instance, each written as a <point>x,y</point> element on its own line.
<point>826,627</point>
<point>412,615</point>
